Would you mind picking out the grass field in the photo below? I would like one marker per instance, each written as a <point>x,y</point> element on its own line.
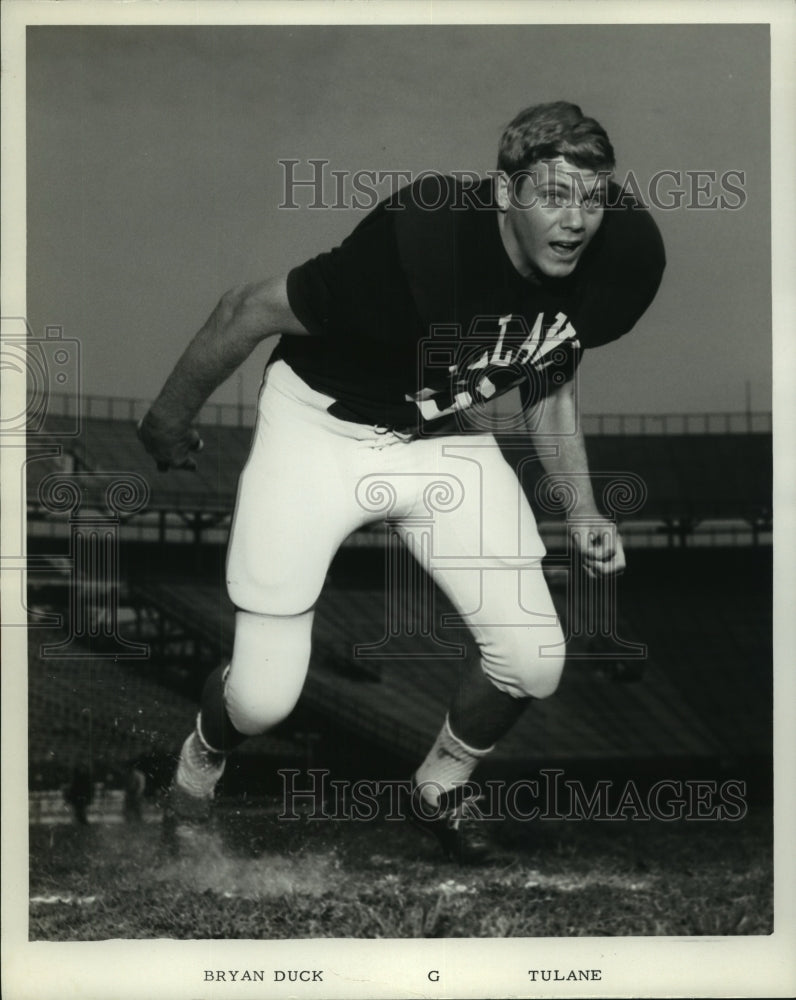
<point>258,877</point>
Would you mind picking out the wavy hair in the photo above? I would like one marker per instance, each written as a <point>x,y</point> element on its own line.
<point>546,131</point>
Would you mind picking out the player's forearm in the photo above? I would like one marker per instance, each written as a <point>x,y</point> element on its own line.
<point>243,318</point>
<point>597,540</point>
<point>218,349</point>
<point>559,441</point>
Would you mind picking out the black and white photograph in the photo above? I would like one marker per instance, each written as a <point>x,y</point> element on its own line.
<point>397,493</point>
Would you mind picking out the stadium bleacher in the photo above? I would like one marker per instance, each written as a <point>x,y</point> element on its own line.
<point>687,476</point>
<point>84,707</point>
<point>690,476</point>
<point>705,618</point>
<point>112,446</point>
<point>705,689</point>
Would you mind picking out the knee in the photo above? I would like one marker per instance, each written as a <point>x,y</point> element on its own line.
<point>269,663</point>
<point>541,678</point>
<point>253,711</point>
<point>524,664</point>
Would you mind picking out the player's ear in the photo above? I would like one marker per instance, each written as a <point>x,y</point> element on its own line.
<point>503,190</point>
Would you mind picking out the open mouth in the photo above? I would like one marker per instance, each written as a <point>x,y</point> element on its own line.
<point>566,248</point>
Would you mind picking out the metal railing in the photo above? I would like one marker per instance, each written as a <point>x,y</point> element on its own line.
<point>240,415</point>
<point>646,535</point>
<point>126,408</point>
<point>746,422</point>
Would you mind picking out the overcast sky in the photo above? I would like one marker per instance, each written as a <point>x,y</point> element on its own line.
<point>154,177</point>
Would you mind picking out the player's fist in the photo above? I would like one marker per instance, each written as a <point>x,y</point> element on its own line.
<point>600,547</point>
<point>169,445</point>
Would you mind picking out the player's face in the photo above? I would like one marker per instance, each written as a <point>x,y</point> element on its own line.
<point>549,215</point>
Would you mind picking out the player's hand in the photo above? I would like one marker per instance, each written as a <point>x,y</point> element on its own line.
<point>170,446</point>
<point>600,547</point>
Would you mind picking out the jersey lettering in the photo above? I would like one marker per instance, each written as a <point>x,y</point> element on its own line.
<point>497,354</point>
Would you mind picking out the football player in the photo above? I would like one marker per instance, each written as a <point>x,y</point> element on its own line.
<point>393,345</point>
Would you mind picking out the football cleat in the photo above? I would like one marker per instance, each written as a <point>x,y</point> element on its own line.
<point>456,823</point>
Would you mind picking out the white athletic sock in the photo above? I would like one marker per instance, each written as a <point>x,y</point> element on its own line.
<point>200,767</point>
<point>449,763</point>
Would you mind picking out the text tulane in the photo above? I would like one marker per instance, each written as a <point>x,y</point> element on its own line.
<point>565,975</point>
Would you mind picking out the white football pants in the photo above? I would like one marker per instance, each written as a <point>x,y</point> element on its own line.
<point>312,479</point>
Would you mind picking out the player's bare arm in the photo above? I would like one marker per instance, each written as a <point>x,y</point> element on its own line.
<point>596,537</point>
<point>244,316</point>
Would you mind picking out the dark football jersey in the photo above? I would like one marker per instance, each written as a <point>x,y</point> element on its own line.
<point>419,314</point>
